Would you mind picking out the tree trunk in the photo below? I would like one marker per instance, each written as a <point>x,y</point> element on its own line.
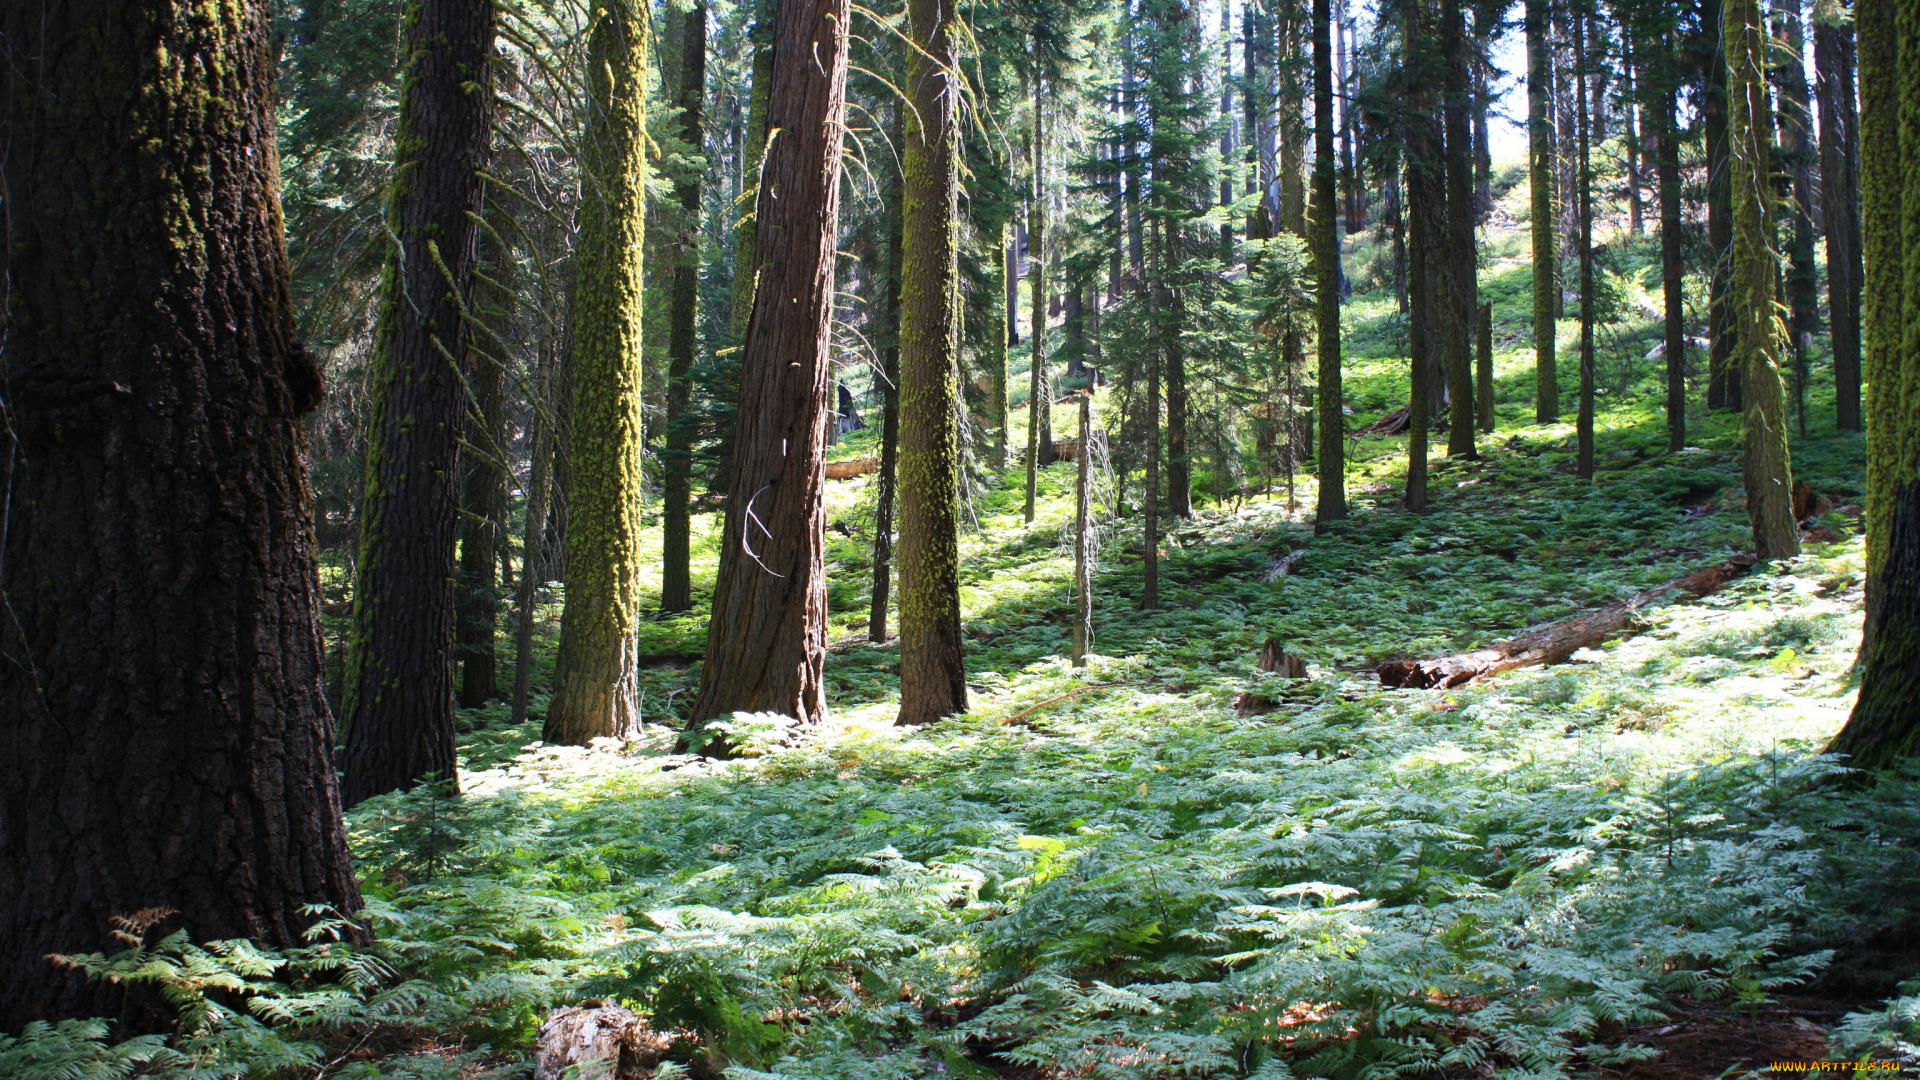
<point>1584,107</point>
<point>767,641</point>
<point>1723,377</point>
<point>533,562</point>
<point>595,684</point>
<point>997,356</point>
<point>1426,217</point>
<point>1796,153</point>
<point>746,258</point>
<point>1553,642</point>
<point>1833,52</point>
<point>1672,269</point>
<point>1179,457</point>
<point>1462,298</point>
<point>884,497</point>
<point>676,526</point>
<point>933,672</point>
<point>1483,365</point>
<point>398,725</point>
<point>1332,504</point>
<point>1039,387</point>
<point>482,509</point>
<point>1540,156</point>
<point>167,733</point>
<point>1766,465</point>
<point>1882,182</point>
<point>1082,541</point>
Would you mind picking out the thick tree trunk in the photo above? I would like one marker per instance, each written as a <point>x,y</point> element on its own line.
<point>1540,156</point>
<point>398,725</point>
<point>1463,292</point>
<point>767,641</point>
<point>676,555</point>
<point>1325,241</point>
<point>167,739</point>
<point>1833,52</point>
<point>595,684</point>
<point>1766,466</point>
<point>933,672</point>
<point>1882,181</point>
<point>1553,642</point>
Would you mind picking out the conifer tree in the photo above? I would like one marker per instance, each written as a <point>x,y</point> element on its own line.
<point>1885,725</point>
<point>168,738</point>
<point>676,581</point>
<point>933,676</point>
<point>1834,51</point>
<point>1584,109</point>
<point>1332,505</point>
<point>397,705</point>
<point>1766,466</point>
<point>594,680</point>
<point>1461,290</point>
<point>767,639</point>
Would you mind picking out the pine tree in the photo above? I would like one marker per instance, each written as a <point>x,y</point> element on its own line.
<point>1332,504</point>
<point>1540,157</point>
<point>676,581</point>
<point>168,739</point>
<point>767,639</point>
<point>1766,466</point>
<point>1585,107</point>
<point>1833,50</point>
<point>1885,725</point>
<point>595,683</point>
<point>933,675</point>
<point>397,706</point>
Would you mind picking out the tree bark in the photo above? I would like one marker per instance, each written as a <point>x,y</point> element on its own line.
<point>997,355</point>
<point>595,684</point>
<point>933,672</point>
<point>1672,268</point>
<point>676,554</point>
<point>1765,462</point>
<point>1540,156</point>
<point>1882,180</point>
<point>1584,107</point>
<point>1723,376</point>
<point>1332,503</point>
<point>1483,365</point>
<point>1796,162</point>
<point>398,725</point>
<point>885,496</point>
<point>165,727</point>
<point>1039,386</point>
<point>1463,291</point>
<point>533,562</point>
<point>481,513</point>
<point>1554,642</point>
<point>1833,52</point>
<point>1426,216</point>
<point>1082,540</point>
<point>767,641</point>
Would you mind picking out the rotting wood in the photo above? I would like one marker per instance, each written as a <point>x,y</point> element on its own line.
<point>1274,658</point>
<point>602,1039</point>
<point>1554,642</point>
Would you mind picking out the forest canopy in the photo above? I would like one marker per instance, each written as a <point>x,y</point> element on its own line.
<point>782,539</point>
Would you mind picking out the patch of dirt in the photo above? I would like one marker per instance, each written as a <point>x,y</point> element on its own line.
<point>1707,1040</point>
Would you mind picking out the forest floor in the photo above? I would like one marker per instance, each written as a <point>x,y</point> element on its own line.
<point>1634,864</point>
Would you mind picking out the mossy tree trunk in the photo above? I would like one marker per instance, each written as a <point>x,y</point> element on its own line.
<point>1331,459</point>
<point>1885,725</point>
<point>594,682</point>
<point>933,674</point>
<point>1723,375</point>
<point>1540,154</point>
<point>169,744</point>
<point>1882,179</point>
<point>1672,268</point>
<point>398,699</point>
<point>676,556</point>
<point>1766,466</point>
<point>767,640</point>
<point>1833,51</point>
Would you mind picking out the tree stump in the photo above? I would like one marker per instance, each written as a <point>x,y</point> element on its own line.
<point>606,1040</point>
<point>1274,658</point>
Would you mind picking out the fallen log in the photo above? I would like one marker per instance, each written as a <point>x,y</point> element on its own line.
<point>851,467</point>
<point>1554,642</point>
<point>599,1039</point>
<point>1394,423</point>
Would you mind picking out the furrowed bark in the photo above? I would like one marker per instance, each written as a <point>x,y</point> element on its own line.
<point>398,721</point>
<point>767,641</point>
<point>162,714</point>
<point>1882,179</point>
<point>1332,503</point>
